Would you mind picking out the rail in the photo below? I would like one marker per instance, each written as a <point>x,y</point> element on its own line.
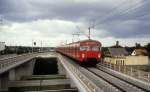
<point>128,78</point>
<point>82,82</point>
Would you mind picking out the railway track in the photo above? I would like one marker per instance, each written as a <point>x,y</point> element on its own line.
<point>107,81</point>
<point>130,80</point>
<point>121,85</point>
<point>103,85</point>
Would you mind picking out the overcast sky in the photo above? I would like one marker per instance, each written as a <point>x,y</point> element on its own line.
<point>52,22</point>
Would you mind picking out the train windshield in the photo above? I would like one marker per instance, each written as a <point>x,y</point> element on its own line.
<point>89,48</point>
<point>84,48</point>
<point>95,48</point>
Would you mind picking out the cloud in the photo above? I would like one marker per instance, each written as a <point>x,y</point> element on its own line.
<point>47,19</point>
<point>73,10</point>
<point>40,30</point>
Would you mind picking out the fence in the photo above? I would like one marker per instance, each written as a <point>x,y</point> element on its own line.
<point>129,70</point>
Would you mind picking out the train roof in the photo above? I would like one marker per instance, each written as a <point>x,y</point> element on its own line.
<point>83,41</point>
<point>89,40</point>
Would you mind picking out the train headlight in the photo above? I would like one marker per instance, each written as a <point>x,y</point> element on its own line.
<point>83,55</point>
<point>99,55</point>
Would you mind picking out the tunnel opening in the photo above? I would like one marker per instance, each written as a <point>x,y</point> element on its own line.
<point>45,66</point>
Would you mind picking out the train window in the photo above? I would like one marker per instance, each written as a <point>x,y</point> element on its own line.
<point>95,48</point>
<point>84,48</point>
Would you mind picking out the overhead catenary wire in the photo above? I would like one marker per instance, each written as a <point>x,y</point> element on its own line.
<point>136,16</point>
<point>117,9</point>
<point>136,7</point>
<point>105,19</point>
<point>122,12</point>
<point>140,15</point>
<point>111,13</point>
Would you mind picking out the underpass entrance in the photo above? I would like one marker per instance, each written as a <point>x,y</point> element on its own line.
<point>45,66</point>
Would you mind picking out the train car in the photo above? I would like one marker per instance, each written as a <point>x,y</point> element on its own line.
<point>84,52</point>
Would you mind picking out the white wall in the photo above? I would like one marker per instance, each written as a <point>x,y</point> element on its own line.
<point>137,60</point>
<point>129,60</point>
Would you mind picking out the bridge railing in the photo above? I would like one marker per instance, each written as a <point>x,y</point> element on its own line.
<point>9,61</point>
<point>12,61</point>
<point>83,83</point>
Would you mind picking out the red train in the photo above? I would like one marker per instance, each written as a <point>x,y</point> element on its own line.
<point>85,52</point>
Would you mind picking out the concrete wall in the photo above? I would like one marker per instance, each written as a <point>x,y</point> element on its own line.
<point>4,82</point>
<point>61,69</point>
<point>23,70</point>
<point>15,74</point>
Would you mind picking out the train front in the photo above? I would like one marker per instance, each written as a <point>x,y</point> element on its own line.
<point>90,52</point>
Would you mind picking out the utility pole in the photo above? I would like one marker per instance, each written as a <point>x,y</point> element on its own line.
<point>89,33</point>
<point>72,38</point>
<point>1,19</point>
<point>32,46</point>
<point>92,26</point>
<point>41,47</point>
<point>1,22</point>
<point>75,34</point>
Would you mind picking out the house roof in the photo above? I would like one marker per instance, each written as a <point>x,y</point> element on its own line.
<point>118,51</point>
<point>141,51</point>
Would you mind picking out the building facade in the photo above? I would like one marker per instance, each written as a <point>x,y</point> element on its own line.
<point>128,60</point>
<point>119,56</point>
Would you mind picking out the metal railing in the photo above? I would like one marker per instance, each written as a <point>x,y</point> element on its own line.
<point>82,82</point>
<point>7,56</point>
<point>7,62</point>
<point>129,70</point>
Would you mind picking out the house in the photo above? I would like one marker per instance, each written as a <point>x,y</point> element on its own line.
<point>116,56</point>
<point>117,52</point>
<point>139,52</point>
<point>120,56</point>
